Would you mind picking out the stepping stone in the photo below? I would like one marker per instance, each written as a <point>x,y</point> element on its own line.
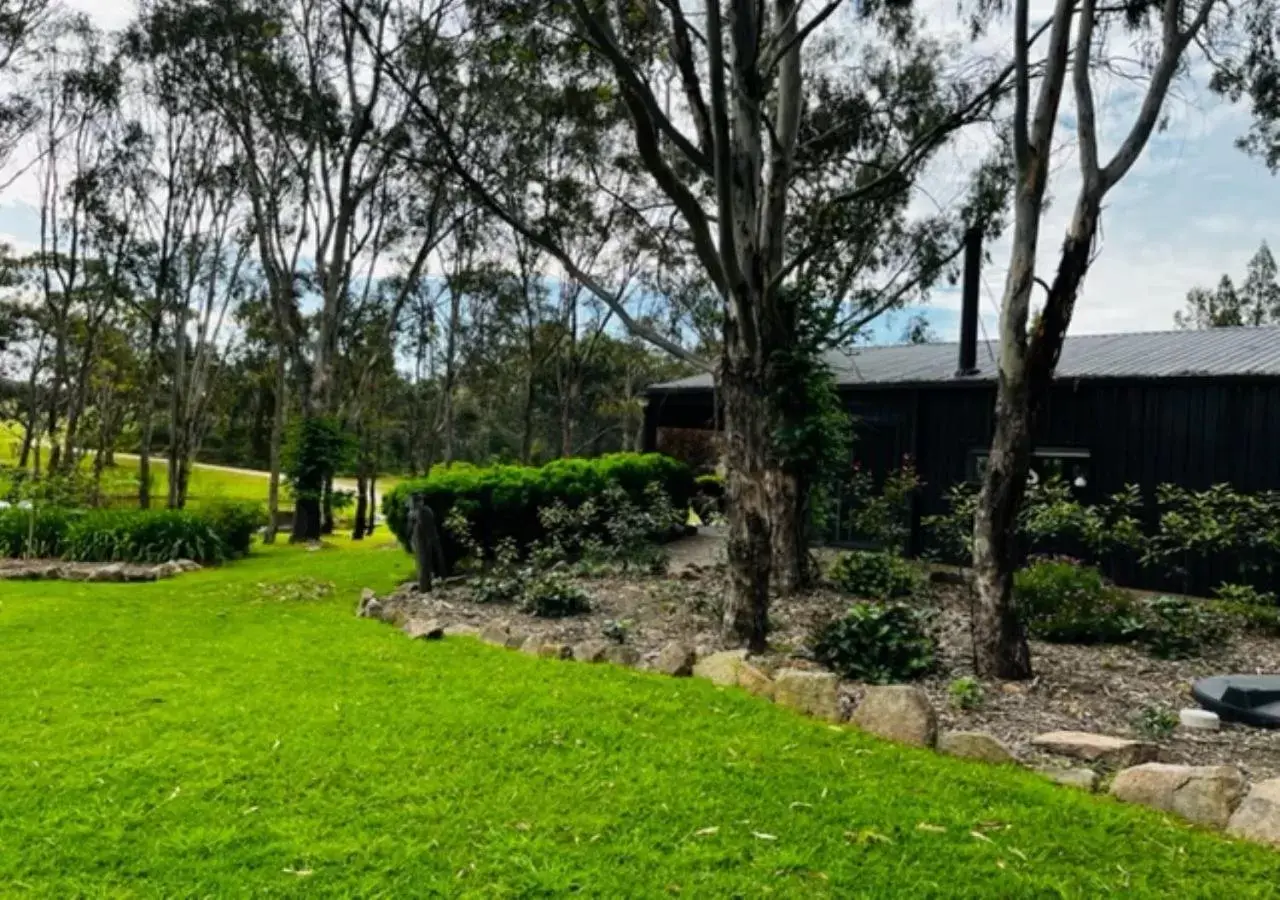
<point>1258,818</point>
<point>1205,795</point>
<point>1101,748</point>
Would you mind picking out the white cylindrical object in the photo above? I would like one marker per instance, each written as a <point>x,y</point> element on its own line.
<point>1199,719</point>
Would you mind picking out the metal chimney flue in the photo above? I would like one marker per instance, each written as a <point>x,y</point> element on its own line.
<point>969,303</point>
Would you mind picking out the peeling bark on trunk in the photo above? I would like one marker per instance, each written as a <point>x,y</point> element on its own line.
<point>746,613</point>
<point>792,566</point>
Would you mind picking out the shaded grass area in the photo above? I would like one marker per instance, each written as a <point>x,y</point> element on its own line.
<point>204,737</point>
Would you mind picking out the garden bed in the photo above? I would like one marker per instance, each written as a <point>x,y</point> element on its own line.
<point>1117,690</point>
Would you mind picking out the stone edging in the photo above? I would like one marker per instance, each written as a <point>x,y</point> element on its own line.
<point>1217,797</point>
<point>56,570</point>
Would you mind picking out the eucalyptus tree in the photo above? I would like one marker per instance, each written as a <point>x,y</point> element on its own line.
<point>729,130</point>
<point>1081,43</point>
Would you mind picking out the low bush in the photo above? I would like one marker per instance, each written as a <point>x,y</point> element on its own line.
<point>213,534</point>
<point>1180,627</point>
<point>34,532</point>
<point>876,576</point>
<point>1250,618</point>
<point>1064,602</point>
<point>877,643</point>
<point>141,536</point>
<point>966,693</point>
<point>235,523</point>
<point>504,501</point>
<point>551,595</point>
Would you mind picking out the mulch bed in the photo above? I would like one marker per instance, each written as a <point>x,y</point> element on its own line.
<point>1102,689</point>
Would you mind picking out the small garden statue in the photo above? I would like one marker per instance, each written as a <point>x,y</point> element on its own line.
<point>426,542</point>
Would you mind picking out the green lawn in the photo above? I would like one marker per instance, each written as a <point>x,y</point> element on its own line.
<point>200,738</point>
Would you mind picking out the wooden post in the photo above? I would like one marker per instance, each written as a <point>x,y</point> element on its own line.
<point>426,542</point>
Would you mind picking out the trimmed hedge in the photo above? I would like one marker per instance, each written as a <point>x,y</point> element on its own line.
<point>214,534</point>
<point>503,501</point>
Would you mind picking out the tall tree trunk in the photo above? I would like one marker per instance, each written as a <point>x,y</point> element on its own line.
<point>326,516</point>
<point>362,504</point>
<point>526,436</point>
<point>277,438</point>
<point>749,439</point>
<point>146,414</point>
<point>789,496</point>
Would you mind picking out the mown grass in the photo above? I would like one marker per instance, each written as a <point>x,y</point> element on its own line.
<point>203,737</point>
<point>120,482</point>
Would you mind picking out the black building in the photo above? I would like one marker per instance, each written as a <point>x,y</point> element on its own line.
<point>1193,408</point>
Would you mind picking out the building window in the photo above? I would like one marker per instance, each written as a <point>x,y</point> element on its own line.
<point>1072,464</point>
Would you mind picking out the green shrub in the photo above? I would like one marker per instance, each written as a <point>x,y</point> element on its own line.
<point>34,532</point>
<point>141,536</point>
<point>966,693</point>
<point>1246,594</point>
<point>1064,602</point>
<point>551,595</point>
<point>235,524</point>
<point>504,501</point>
<point>876,576</point>
<point>1249,618</point>
<point>1155,722</point>
<point>877,643</point>
<point>1180,628</point>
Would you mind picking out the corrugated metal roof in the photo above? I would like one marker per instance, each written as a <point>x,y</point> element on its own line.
<point>1156,354</point>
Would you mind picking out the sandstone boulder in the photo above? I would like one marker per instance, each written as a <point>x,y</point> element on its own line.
<point>755,681</point>
<point>676,659</point>
<point>898,712</point>
<point>1084,779</point>
<point>622,655</point>
<point>495,633</point>
<point>1205,795</point>
<point>1100,748</point>
<point>813,693</point>
<point>1258,817</point>
<point>424,629</point>
<point>721,668</point>
<point>591,651</point>
<point>974,745</point>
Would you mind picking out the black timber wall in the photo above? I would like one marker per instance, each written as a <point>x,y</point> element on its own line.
<point>1187,431</point>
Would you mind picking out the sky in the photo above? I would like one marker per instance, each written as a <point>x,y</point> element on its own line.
<point>1193,208</point>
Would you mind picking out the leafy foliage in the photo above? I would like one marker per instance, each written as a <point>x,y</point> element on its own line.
<point>876,576</point>
<point>1155,722</point>
<point>1065,602</point>
<point>1180,627</point>
<point>966,693</point>
<point>877,643</point>
<point>212,534</point>
<point>551,595</point>
<point>141,537</point>
<point>317,446</point>
<point>506,502</point>
<point>883,514</point>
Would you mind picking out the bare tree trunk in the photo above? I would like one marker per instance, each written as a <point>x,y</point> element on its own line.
<point>526,437</point>
<point>146,414</point>
<point>362,504</point>
<point>277,438</point>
